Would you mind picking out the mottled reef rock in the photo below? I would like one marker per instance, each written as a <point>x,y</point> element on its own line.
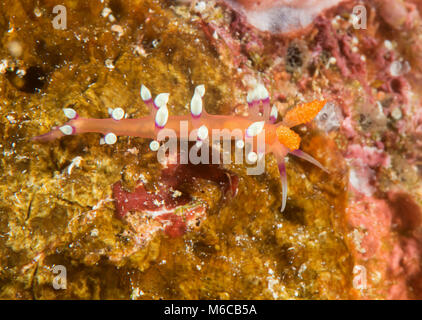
<point>58,206</point>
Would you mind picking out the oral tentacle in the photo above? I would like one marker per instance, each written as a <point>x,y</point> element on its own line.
<point>283,177</point>
<point>303,155</point>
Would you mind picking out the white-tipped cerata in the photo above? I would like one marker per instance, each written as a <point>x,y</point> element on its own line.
<point>118,114</point>
<point>110,138</point>
<point>145,93</point>
<point>255,128</point>
<point>274,113</point>
<point>252,157</point>
<point>161,117</point>
<point>70,113</point>
<point>202,133</point>
<point>262,92</point>
<point>196,105</point>
<point>66,129</point>
<point>154,145</point>
<point>161,100</point>
<point>252,96</point>
<point>200,90</point>
<point>240,144</point>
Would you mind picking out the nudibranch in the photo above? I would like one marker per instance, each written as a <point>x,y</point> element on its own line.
<point>261,122</point>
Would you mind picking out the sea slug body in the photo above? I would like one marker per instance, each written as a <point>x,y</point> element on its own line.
<point>200,126</point>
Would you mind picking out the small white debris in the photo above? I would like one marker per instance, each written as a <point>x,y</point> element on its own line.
<point>252,157</point>
<point>240,144</point>
<point>353,19</point>
<point>106,11</point>
<point>66,129</point>
<point>139,50</point>
<point>200,7</point>
<point>118,29</point>
<point>11,119</point>
<point>388,44</point>
<point>94,232</point>
<point>134,151</point>
<point>335,22</point>
<point>15,48</point>
<point>332,60</point>
<point>118,114</point>
<point>136,293</point>
<point>37,12</point>
<point>379,106</point>
<point>398,68</point>
<point>69,113</point>
<point>396,114</point>
<point>155,43</point>
<point>109,64</point>
<point>154,145</point>
<point>110,138</point>
<point>4,64</point>
<point>395,68</point>
<point>255,128</point>
<point>355,49</point>
<point>20,73</point>
<point>176,194</point>
<point>111,18</point>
